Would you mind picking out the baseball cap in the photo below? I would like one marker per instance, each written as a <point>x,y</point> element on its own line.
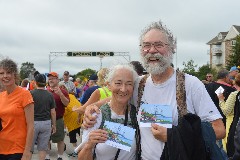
<point>54,74</point>
<point>35,73</point>
<point>234,68</point>
<point>93,77</point>
<point>66,73</point>
<point>40,78</point>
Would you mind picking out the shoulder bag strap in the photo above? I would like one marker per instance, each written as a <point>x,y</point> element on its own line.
<point>141,89</point>
<point>181,94</point>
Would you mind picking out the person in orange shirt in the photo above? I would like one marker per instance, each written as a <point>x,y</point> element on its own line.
<point>16,114</point>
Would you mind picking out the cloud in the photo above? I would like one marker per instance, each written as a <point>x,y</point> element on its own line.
<point>30,30</point>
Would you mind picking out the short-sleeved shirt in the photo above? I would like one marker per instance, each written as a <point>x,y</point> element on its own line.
<point>70,117</point>
<point>87,94</point>
<point>104,92</point>
<point>197,99</point>
<point>14,132</point>
<point>43,103</point>
<point>60,107</point>
<point>70,86</point>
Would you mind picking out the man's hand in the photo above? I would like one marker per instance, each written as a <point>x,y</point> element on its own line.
<point>57,90</point>
<point>54,129</point>
<point>159,132</point>
<point>89,120</point>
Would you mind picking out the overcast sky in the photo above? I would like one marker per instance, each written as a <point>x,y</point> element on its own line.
<point>31,29</point>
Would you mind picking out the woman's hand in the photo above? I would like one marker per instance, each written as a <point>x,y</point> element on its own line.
<point>78,109</point>
<point>89,120</point>
<point>97,136</point>
<point>26,155</point>
<point>221,97</point>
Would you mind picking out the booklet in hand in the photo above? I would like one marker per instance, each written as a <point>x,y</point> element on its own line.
<point>219,90</point>
<point>119,136</point>
<point>155,113</point>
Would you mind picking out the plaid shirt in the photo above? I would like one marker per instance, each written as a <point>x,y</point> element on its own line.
<point>70,86</point>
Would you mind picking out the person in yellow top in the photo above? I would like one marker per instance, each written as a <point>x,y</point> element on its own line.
<point>228,108</point>
<point>72,119</point>
<point>98,94</point>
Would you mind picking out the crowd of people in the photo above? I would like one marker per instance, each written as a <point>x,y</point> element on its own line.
<point>205,116</point>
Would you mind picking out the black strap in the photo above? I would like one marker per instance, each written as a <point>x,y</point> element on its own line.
<point>125,123</point>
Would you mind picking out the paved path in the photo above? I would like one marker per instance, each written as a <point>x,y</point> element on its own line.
<point>53,151</point>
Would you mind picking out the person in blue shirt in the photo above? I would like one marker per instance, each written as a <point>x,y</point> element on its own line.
<point>92,87</point>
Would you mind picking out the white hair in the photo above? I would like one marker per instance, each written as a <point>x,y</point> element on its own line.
<point>159,26</point>
<point>113,70</point>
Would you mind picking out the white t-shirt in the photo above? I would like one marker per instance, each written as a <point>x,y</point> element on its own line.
<point>198,102</point>
<point>106,152</point>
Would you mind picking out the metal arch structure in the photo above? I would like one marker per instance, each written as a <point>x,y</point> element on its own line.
<point>54,55</point>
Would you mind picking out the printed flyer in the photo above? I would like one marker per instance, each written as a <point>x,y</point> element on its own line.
<point>155,113</point>
<point>119,136</point>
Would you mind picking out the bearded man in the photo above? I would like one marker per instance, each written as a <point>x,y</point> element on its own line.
<point>157,46</point>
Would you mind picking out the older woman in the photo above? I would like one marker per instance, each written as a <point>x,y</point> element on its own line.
<point>16,114</point>
<point>120,81</point>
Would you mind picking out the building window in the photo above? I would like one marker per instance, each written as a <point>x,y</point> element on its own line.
<point>233,42</point>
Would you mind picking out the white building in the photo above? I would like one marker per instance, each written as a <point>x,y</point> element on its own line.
<point>220,47</point>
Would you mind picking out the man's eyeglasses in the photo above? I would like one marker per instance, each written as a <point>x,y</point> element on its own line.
<point>146,46</point>
<point>208,76</point>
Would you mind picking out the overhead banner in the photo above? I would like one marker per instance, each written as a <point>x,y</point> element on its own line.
<point>89,54</point>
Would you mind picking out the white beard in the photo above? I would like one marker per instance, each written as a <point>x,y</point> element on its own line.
<point>159,67</point>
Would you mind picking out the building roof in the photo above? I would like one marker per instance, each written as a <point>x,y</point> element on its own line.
<point>215,40</point>
<point>224,33</point>
<point>237,28</point>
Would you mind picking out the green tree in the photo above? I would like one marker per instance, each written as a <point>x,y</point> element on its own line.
<point>26,69</point>
<point>234,58</point>
<point>189,67</point>
<point>84,74</point>
<point>204,70</point>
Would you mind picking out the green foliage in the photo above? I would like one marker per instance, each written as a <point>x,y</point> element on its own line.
<point>234,58</point>
<point>204,70</point>
<point>26,69</point>
<point>189,67</point>
<point>84,74</point>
